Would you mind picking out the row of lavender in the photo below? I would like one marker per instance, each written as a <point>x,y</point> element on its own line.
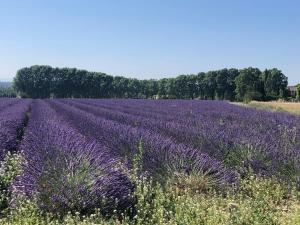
<point>162,155</point>
<point>242,138</point>
<point>12,121</point>
<point>77,161</point>
<point>78,152</point>
<point>63,171</point>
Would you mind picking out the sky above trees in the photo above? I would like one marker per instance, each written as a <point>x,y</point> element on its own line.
<point>150,39</point>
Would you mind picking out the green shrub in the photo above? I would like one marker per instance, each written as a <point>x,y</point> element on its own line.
<point>185,199</point>
<point>10,167</point>
<point>257,200</point>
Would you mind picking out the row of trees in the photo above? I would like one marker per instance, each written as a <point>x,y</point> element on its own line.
<point>226,84</point>
<point>7,92</point>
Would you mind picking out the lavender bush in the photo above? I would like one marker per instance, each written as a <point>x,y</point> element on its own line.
<point>242,138</point>
<point>12,121</point>
<point>65,172</point>
<point>161,153</point>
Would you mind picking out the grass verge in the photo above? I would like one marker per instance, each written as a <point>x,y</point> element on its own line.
<point>256,200</point>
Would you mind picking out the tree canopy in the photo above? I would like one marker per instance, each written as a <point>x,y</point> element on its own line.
<point>225,84</point>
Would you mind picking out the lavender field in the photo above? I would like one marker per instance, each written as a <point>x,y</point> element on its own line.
<point>86,154</point>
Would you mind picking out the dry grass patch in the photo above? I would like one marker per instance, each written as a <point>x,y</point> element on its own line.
<point>292,107</point>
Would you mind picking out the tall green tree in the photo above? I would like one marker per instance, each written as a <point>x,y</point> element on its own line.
<point>180,87</point>
<point>162,88</point>
<point>249,85</point>
<point>134,88</point>
<point>298,92</point>
<point>35,82</point>
<point>230,85</point>
<point>275,84</point>
<point>200,85</point>
<point>221,83</point>
<point>210,87</point>
<point>152,88</point>
<point>120,87</point>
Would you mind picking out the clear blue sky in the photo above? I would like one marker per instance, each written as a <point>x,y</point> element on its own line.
<point>150,38</point>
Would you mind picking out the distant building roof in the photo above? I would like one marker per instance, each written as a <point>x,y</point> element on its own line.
<point>292,88</point>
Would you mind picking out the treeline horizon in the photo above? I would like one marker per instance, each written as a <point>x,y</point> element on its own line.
<point>6,90</point>
<point>226,84</point>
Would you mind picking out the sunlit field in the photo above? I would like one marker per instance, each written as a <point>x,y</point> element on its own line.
<point>291,107</point>
<point>110,161</point>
